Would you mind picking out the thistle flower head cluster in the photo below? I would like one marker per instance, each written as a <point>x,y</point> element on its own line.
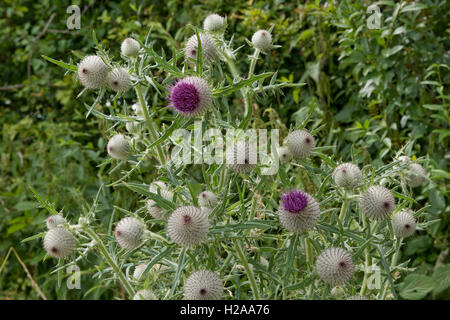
<point>191,97</point>
<point>404,224</point>
<point>118,147</point>
<point>188,226</point>
<point>129,233</point>
<point>207,199</point>
<point>209,50</point>
<point>347,175</point>
<point>262,40</point>
<point>298,211</point>
<point>214,23</point>
<point>119,79</point>
<point>335,266</point>
<point>59,242</point>
<point>377,203</point>
<point>55,221</point>
<point>92,72</point>
<point>145,294</point>
<point>241,157</point>
<point>300,143</point>
<point>130,47</point>
<point>203,285</point>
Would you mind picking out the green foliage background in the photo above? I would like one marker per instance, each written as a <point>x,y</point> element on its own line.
<point>373,90</point>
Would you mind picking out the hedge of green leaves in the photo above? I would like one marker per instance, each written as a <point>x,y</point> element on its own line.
<point>370,91</point>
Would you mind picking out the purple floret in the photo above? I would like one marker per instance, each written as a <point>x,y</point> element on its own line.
<point>294,201</point>
<point>185,97</point>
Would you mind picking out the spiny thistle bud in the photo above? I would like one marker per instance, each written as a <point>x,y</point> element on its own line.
<point>357,297</point>
<point>214,23</point>
<point>284,154</point>
<point>203,285</point>
<point>191,97</point>
<point>241,157</point>
<point>55,221</point>
<point>139,272</point>
<point>145,294</point>
<point>415,175</point>
<point>207,199</point>
<point>133,127</point>
<point>119,79</point>
<point>129,233</point>
<point>130,47</point>
<point>404,224</point>
<point>92,72</point>
<point>298,211</point>
<point>335,266</point>
<point>300,143</point>
<point>188,226</point>
<point>118,147</point>
<point>209,49</point>
<point>347,175</point>
<point>59,242</point>
<point>154,210</point>
<point>262,40</point>
<point>377,203</point>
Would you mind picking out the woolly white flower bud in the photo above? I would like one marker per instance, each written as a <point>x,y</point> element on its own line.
<point>207,199</point>
<point>129,233</point>
<point>214,22</point>
<point>298,211</point>
<point>209,49</point>
<point>145,294</point>
<point>139,272</point>
<point>188,226</point>
<point>284,154</point>
<point>357,297</point>
<point>55,221</point>
<point>203,285</point>
<point>133,127</point>
<point>241,157</point>
<point>118,147</point>
<point>347,175</point>
<point>335,266</point>
<point>154,210</point>
<point>130,47</point>
<point>377,203</point>
<point>404,224</point>
<point>92,72</point>
<point>59,242</point>
<point>416,175</point>
<point>119,79</point>
<point>300,143</point>
<point>262,40</point>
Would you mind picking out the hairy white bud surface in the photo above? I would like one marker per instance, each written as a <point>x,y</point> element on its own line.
<point>207,199</point>
<point>119,79</point>
<point>130,47</point>
<point>92,72</point>
<point>208,45</point>
<point>300,143</point>
<point>203,285</point>
<point>188,226</point>
<point>415,175</point>
<point>214,23</point>
<point>55,221</point>
<point>59,242</point>
<point>284,154</point>
<point>118,147</point>
<point>404,224</point>
<point>335,266</point>
<point>129,233</point>
<point>377,203</point>
<point>347,175</point>
<point>262,40</point>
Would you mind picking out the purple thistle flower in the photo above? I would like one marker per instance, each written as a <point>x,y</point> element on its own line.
<point>294,201</point>
<point>191,96</point>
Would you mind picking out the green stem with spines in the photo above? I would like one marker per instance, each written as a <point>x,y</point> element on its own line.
<point>249,272</point>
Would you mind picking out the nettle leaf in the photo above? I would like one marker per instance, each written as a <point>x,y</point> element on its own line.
<point>416,286</point>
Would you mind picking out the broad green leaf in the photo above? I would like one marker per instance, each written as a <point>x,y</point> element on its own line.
<point>416,286</point>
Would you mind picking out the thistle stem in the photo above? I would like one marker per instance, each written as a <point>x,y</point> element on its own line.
<point>123,279</point>
<point>343,209</point>
<point>150,124</point>
<point>249,272</point>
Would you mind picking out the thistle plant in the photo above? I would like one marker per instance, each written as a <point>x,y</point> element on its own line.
<point>207,230</point>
